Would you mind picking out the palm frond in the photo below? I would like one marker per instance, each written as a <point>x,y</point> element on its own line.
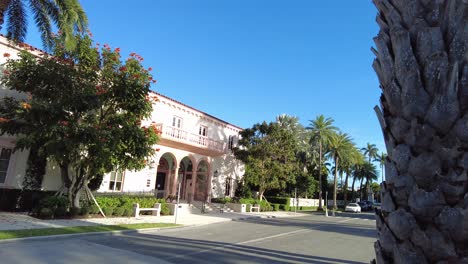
<point>40,11</point>
<point>17,21</point>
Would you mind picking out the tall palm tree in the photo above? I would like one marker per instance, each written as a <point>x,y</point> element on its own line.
<point>371,152</point>
<point>423,72</point>
<point>322,130</point>
<point>365,171</point>
<point>355,159</point>
<point>340,148</point>
<point>380,158</point>
<point>67,15</point>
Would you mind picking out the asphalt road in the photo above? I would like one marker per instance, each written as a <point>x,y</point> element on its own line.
<point>310,239</point>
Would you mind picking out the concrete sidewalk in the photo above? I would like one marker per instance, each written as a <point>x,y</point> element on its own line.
<point>16,221</point>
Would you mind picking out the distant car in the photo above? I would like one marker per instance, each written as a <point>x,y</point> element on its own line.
<point>353,207</point>
<point>377,206</point>
<point>364,206</point>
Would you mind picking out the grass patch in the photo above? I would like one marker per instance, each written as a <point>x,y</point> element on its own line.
<point>9,234</point>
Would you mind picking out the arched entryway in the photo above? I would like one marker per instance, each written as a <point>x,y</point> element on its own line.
<point>201,187</point>
<point>165,175</point>
<point>186,177</point>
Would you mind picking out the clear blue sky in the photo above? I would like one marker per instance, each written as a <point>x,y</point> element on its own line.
<point>247,61</point>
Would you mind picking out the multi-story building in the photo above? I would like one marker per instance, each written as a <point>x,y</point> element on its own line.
<point>194,150</point>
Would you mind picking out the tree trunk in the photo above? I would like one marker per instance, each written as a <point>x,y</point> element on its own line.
<point>352,188</point>
<point>422,68</point>
<point>360,189</point>
<point>335,182</point>
<point>3,8</point>
<point>320,207</point>
<point>345,189</point>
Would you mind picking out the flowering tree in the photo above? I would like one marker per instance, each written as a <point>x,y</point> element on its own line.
<point>81,109</point>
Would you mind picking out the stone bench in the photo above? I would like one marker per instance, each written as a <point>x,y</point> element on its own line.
<point>156,209</point>
<point>255,207</point>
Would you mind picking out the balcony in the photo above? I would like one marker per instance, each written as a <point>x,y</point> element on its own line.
<point>182,139</point>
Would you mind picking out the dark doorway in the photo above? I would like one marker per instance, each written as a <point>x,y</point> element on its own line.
<point>160,183</point>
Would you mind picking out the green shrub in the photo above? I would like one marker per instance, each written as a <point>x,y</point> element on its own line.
<point>60,211</point>
<point>118,211</point>
<point>276,207</point>
<point>85,210</point>
<point>279,200</point>
<point>223,200</point>
<point>108,211</point>
<point>93,209</point>
<point>45,212</point>
<point>165,210</point>
<point>74,211</point>
<point>284,207</point>
<point>128,212</point>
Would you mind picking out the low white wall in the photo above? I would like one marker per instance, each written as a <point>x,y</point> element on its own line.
<point>313,202</point>
<point>239,208</point>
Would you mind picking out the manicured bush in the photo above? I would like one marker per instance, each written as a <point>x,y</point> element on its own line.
<point>74,211</point>
<point>108,211</point>
<point>223,200</point>
<point>276,207</point>
<point>128,212</point>
<point>279,200</point>
<point>85,210</point>
<point>9,199</point>
<point>284,207</point>
<point>118,211</point>
<point>45,213</point>
<point>60,211</point>
<point>94,209</point>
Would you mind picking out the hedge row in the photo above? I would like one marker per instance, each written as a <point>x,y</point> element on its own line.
<point>19,200</point>
<point>279,200</point>
<point>111,204</point>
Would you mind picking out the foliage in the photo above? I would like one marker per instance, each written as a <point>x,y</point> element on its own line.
<point>67,15</point>
<point>35,169</point>
<point>85,210</point>
<point>322,130</point>
<point>222,200</point>
<point>127,201</point>
<point>83,107</point>
<point>46,213</point>
<point>268,152</point>
<point>93,209</point>
<point>279,200</point>
<point>108,211</point>
<point>74,211</point>
<point>118,211</point>
<point>276,207</point>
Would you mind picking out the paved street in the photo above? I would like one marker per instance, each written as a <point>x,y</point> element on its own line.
<point>309,239</point>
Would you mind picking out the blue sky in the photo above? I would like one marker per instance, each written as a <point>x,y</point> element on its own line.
<point>248,61</point>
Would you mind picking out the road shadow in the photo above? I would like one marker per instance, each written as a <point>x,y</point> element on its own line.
<point>183,250</point>
<point>329,224</point>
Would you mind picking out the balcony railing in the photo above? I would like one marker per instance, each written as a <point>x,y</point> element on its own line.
<point>184,136</point>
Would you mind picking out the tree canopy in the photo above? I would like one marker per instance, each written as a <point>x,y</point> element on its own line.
<point>82,109</point>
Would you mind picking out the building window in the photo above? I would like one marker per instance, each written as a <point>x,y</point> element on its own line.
<point>176,122</point>
<point>5,155</point>
<point>227,189</point>
<point>116,181</point>
<point>231,142</point>
<point>202,131</point>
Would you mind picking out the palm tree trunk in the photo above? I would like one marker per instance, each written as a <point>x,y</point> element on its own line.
<point>320,177</point>
<point>345,189</point>
<point>423,72</point>
<point>352,188</point>
<point>3,8</point>
<point>335,182</point>
<point>360,189</point>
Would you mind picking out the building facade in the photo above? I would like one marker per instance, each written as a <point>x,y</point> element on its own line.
<point>193,156</point>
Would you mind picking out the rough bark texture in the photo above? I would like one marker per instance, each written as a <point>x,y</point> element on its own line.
<point>422,68</point>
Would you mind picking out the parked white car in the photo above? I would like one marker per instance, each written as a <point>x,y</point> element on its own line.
<point>353,207</point>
